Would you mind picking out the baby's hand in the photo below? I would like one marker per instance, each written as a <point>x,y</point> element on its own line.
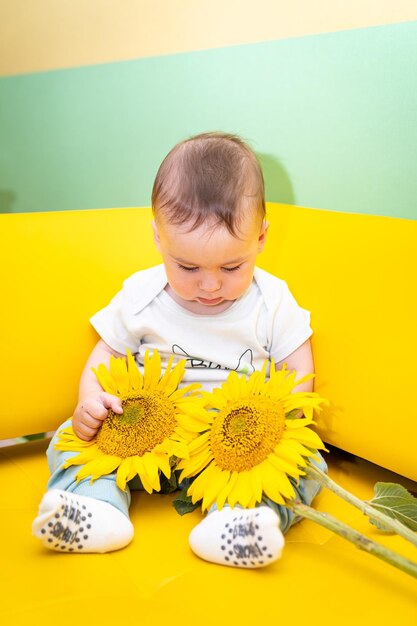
<point>91,412</point>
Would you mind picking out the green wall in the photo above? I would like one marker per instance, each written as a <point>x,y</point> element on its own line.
<point>333,118</point>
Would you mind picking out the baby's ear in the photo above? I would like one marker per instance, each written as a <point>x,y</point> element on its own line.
<point>262,235</point>
<point>156,235</point>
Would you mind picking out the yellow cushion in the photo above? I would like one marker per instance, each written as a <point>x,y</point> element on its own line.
<point>356,273</point>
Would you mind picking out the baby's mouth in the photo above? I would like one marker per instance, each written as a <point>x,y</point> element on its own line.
<point>210,301</point>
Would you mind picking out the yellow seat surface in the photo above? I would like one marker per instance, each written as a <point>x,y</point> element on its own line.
<point>158,580</point>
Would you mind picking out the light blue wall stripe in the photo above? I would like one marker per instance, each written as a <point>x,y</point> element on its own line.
<point>333,117</point>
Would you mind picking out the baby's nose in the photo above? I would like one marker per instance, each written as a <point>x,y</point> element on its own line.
<point>210,283</point>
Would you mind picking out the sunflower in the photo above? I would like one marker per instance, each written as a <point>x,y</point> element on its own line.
<point>256,439</point>
<point>158,422</point>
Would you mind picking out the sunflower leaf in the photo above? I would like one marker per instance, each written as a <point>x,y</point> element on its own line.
<point>168,485</point>
<point>396,502</point>
<point>183,503</point>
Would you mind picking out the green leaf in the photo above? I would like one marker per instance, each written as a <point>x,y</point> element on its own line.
<point>292,415</point>
<point>168,485</point>
<point>396,502</point>
<point>183,503</point>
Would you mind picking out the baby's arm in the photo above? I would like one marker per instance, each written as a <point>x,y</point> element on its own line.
<point>93,402</point>
<point>301,360</point>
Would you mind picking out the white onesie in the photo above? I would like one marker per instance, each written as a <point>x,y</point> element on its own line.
<point>264,323</point>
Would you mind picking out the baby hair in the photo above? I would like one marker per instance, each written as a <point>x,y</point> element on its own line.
<point>212,177</point>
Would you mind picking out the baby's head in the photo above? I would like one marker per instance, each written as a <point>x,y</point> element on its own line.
<point>209,208</point>
<point>211,178</point>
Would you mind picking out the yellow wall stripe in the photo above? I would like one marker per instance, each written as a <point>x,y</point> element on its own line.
<point>41,35</point>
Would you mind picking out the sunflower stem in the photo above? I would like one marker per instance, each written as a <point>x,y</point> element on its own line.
<point>359,540</point>
<point>388,522</point>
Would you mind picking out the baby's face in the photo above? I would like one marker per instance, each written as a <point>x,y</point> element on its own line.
<point>208,268</point>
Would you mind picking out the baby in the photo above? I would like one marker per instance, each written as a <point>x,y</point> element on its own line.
<point>207,304</point>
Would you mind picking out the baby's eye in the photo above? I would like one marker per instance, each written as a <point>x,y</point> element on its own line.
<point>231,269</point>
<point>187,269</point>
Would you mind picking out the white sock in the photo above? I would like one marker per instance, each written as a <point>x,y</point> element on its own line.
<point>239,537</point>
<point>68,522</point>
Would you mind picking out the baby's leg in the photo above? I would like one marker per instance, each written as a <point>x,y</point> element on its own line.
<point>249,537</point>
<point>80,517</point>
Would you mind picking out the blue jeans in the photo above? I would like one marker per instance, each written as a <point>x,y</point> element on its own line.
<point>105,488</point>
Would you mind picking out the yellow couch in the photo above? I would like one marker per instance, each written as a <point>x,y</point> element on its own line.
<point>356,273</point>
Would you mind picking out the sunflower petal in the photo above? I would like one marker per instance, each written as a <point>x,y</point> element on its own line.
<point>198,486</point>
<point>140,470</point>
<point>170,384</point>
<point>241,492</point>
<point>151,469</point>
<point>163,464</point>
<point>307,437</point>
<point>118,370</point>
<point>124,472</point>
<point>100,466</point>
<point>152,370</point>
<point>219,479</point>
<point>135,376</point>
<point>105,379</point>
<point>85,456</point>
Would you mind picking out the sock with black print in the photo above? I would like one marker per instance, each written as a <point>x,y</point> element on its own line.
<point>239,537</point>
<point>68,522</point>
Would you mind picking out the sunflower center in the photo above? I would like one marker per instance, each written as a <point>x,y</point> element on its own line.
<point>148,418</point>
<point>245,432</point>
